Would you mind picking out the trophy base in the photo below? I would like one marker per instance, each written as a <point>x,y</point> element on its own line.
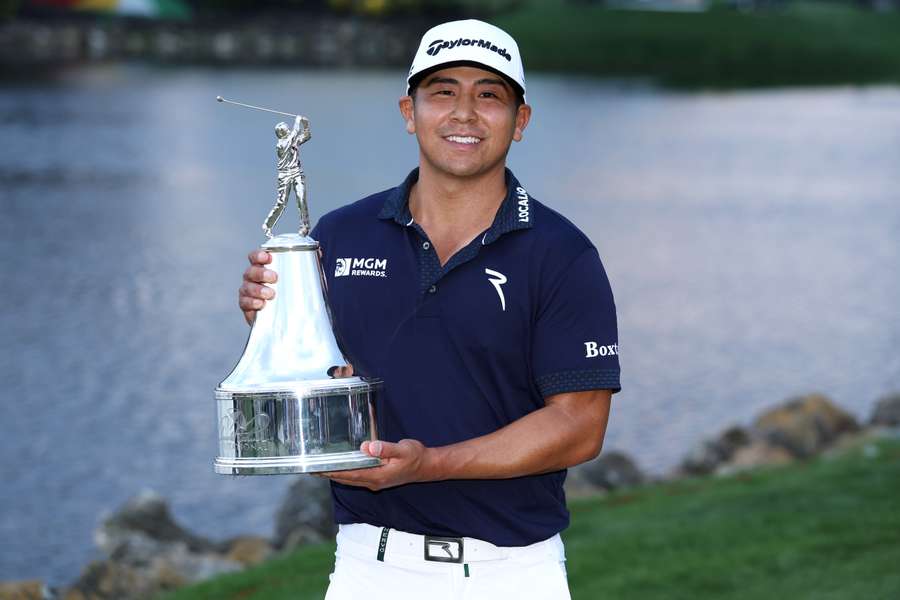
<point>286,465</point>
<point>298,427</point>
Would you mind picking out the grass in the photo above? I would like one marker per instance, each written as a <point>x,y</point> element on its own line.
<point>804,43</point>
<point>829,529</point>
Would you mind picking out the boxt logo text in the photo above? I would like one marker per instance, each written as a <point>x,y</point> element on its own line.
<point>593,350</point>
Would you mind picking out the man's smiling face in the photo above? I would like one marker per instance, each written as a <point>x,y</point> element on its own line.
<point>464,119</point>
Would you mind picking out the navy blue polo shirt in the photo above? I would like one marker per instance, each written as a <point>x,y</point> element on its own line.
<point>523,312</point>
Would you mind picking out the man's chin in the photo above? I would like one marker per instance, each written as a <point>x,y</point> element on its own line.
<point>466,170</point>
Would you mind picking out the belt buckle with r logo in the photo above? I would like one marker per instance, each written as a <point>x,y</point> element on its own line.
<point>443,549</point>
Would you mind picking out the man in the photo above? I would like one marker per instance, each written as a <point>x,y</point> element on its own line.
<point>290,173</point>
<point>493,326</point>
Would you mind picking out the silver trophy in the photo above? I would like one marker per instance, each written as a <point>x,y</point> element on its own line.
<point>280,411</point>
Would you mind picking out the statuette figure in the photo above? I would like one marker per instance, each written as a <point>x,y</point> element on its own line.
<point>290,173</point>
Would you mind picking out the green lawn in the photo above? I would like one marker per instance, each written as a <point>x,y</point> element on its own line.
<point>803,44</point>
<point>825,530</point>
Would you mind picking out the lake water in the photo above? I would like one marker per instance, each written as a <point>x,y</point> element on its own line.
<point>752,240</point>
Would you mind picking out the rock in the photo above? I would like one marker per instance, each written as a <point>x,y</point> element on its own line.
<point>135,549</point>
<point>887,411</point>
<point>732,439</point>
<point>576,485</point>
<point>306,515</point>
<point>611,470</point>
<point>148,515</point>
<point>176,567</point>
<point>106,580</point>
<point>248,550</point>
<point>702,458</point>
<point>757,453</point>
<point>180,566</point>
<point>804,426</point>
<point>860,440</point>
<point>707,455</point>
<point>148,553</point>
<point>25,590</point>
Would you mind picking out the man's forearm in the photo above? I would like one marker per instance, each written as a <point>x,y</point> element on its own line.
<point>567,431</point>
<point>564,433</point>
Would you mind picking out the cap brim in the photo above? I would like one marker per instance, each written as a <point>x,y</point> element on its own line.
<point>416,79</point>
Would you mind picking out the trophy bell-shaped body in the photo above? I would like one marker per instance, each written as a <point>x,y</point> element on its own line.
<point>279,410</point>
<point>291,344</point>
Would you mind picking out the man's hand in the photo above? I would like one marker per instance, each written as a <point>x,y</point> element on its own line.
<point>253,293</point>
<point>341,372</point>
<point>403,462</point>
<point>567,431</point>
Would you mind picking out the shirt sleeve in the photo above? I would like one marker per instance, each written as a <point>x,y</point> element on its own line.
<point>576,342</point>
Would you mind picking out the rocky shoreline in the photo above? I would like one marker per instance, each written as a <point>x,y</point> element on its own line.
<point>147,552</point>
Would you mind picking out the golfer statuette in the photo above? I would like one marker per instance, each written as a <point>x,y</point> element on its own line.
<point>280,410</point>
<point>290,173</point>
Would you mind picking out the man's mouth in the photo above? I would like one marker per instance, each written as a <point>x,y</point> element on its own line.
<point>463,139</point>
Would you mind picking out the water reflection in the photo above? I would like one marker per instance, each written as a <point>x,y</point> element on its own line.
<point>750,239</point>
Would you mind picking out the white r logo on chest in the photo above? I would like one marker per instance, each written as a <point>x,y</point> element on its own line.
<point>497,279</point>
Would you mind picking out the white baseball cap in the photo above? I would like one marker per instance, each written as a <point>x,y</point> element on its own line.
<point>468,42</point>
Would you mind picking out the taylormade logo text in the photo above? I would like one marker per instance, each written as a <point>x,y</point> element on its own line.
<point>438,45</point>
<point>360,267</point>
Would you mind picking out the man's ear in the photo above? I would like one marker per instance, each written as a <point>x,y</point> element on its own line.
<point>407,111</point>
<point>523,116</point>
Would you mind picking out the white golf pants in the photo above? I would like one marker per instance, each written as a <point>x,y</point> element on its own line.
<point>379,564</point>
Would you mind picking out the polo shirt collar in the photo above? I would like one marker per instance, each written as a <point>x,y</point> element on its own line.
<point>515,211</point>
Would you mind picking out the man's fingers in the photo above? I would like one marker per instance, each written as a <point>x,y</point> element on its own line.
<point>368,478</point>
<point>252,296</point>
<point>337,372</point>
<point>259,257</point>
<point>260,274</point>
<point>249,289</point>
<point>356,483</point>
<point>382,449</point>
<point>248,304</point>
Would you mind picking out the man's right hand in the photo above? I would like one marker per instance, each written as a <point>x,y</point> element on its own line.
<point>253,293</point>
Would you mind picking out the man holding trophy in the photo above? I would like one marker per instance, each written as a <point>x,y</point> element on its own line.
<point>491,322</point>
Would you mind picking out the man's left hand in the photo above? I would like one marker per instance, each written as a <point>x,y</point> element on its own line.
<point>403,462</point>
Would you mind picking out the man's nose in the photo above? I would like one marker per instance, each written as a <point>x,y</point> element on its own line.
<point>464,108</point>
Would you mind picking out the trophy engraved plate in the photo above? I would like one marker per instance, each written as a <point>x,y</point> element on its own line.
<point>279,410</point>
